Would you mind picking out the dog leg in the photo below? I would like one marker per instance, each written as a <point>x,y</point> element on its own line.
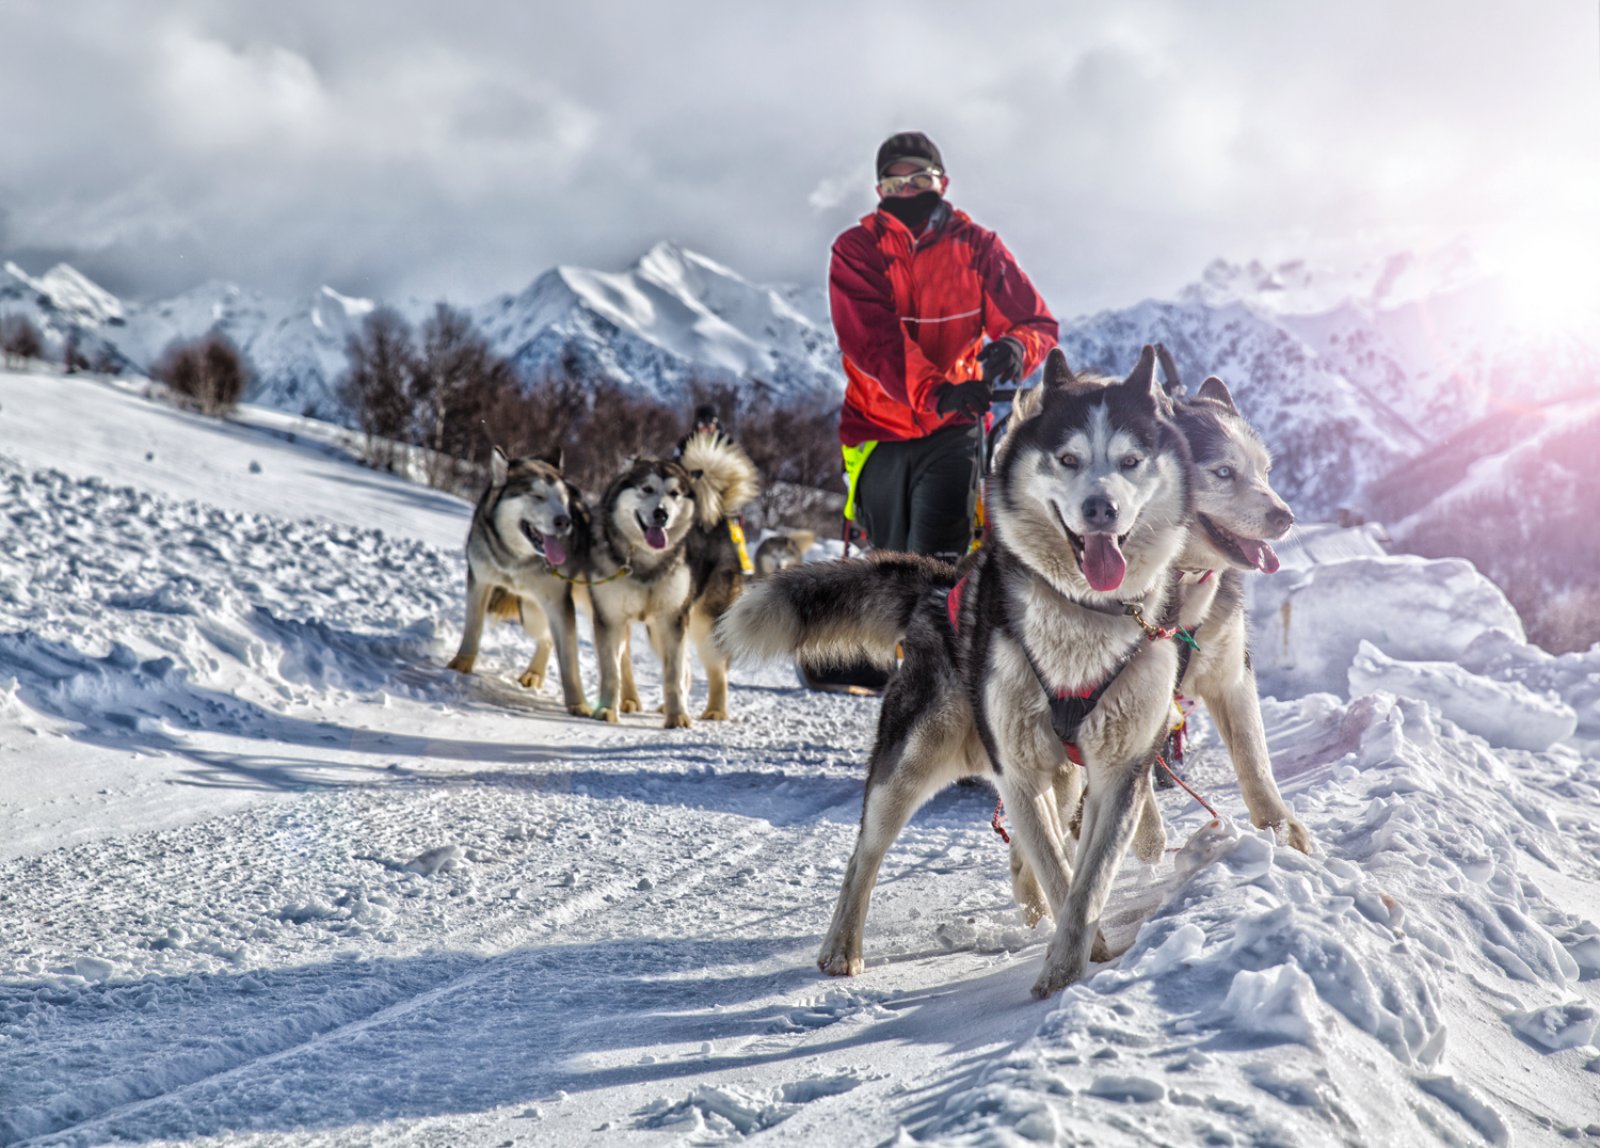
<point>900,779</point>
<point>630,703</point>
<point>610,646</point>
<point>472,629</point>
<point>1150,837</point>
<point>563,619</point>
<point>674,652</point>
<point>716,667</point>
<point>1237,711</point>
<point>535,624</point>
<point>1035,829</point>
<point>1109,815</point>
<point>1067,785</point>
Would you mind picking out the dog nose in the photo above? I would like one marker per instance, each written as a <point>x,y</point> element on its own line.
<point>660,516</point>
<point>1099,512</point>
<point>1280,519</point>
<point>563,523</point>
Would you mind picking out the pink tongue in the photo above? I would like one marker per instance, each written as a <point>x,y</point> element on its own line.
<point>655,537</point>
<point>1260,554</point>
<point>1103,564</point>
<point>554,552</point>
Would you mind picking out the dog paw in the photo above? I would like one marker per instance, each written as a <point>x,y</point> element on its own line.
<point>631,706</point>
<point>840,964</point>
<point>714,715</point>
<point>1288,828</point>
<point>677,721</point>
<point>1054,978</point>
<point>581,709</point>
<point>462,664</point>
<point>1298,837</point>
<point>605,713</point>
<point>531,680</point>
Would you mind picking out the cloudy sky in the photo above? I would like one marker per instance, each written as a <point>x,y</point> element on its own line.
<point>403,148</point>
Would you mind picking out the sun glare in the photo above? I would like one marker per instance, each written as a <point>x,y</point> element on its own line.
<point>1551,279</point>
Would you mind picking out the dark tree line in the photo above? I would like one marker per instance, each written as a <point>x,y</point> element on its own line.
<point>439,395</point>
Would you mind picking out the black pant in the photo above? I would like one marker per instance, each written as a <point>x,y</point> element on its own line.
<point>919,495</point>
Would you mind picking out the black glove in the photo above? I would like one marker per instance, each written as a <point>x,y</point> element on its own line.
<point>1001,361</point>
<point>971,397</point>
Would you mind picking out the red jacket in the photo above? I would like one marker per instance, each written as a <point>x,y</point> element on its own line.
<point>911,313</point>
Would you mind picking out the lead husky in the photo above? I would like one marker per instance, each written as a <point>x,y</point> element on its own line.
<point>1065,608</point>
<point>529,540</point>
<point>1237,517</point>
<point>664,557</point>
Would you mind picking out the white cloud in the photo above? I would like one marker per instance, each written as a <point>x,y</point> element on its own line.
<point>460,150</point>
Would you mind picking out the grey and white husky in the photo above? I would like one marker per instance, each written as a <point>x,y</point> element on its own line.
<point>663,556</point>
<point>1052,644</point>
<point>528,544</point>
<point>1237,516</point>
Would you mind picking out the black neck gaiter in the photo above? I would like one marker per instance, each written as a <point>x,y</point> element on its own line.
<point>912,210</point>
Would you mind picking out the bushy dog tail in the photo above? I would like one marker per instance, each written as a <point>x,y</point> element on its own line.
<point>832,613</point>
<point>723,476</point>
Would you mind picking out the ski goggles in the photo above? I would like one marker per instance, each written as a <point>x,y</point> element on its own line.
<point>925,180</point>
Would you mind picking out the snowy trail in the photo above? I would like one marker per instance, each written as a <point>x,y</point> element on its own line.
<point>270,874</point>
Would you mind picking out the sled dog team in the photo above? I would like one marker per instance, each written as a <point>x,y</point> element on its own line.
<point>1122,518</point>
<point>657,550</point>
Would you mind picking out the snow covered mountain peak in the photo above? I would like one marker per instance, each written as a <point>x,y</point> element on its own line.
<point>71,293</point>
<point>1307,287</point>
<point>673,320</point>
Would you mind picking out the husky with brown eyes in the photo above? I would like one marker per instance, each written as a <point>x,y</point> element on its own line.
<point>663,556</point>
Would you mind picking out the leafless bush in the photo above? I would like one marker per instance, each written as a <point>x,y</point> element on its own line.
<point>19,339</point>
<point>456,380</point>
<point>208,373</point>
<point>795,446</point>
<point>72,357</point>
<point>380,358</point>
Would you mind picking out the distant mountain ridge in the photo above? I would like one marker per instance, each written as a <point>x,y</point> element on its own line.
<point>1350,374</point>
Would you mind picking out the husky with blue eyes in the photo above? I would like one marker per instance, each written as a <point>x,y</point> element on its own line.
<point>1054,646</point>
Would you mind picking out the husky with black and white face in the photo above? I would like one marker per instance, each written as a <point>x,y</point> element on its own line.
<point>528,542</point>
<point>1090,505</point>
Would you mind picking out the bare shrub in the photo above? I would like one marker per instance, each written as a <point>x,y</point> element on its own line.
<point>456,380</point>
<point>795,446</point>
<point>72,357</point>
<point>208,373</point>
<point>380,359</point>
<point>19,339</point>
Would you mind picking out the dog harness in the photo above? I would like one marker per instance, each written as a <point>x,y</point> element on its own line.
<point>1069,708</point>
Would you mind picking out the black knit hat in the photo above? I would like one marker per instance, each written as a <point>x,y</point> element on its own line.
<point>908,145</point>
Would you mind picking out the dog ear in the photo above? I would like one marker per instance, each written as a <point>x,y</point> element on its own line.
<point>1215,388</point>
<point>1057,375</point>
<point>1143,379</point>
<point>1169,370</point>
<point>499,467</point>
<point>555,457</point>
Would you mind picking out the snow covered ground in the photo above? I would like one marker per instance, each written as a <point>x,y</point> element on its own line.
<point>270,874</point>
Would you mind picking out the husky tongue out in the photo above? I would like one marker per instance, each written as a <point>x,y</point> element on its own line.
<point>1103,563</point>
<point>1259,554</point>
<point>655,537</point>
<point>555,551</point>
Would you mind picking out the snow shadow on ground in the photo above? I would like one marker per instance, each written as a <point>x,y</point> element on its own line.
<point>430,1035</point>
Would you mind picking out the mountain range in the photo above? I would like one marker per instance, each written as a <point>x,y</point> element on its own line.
<point>1353,375</point>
